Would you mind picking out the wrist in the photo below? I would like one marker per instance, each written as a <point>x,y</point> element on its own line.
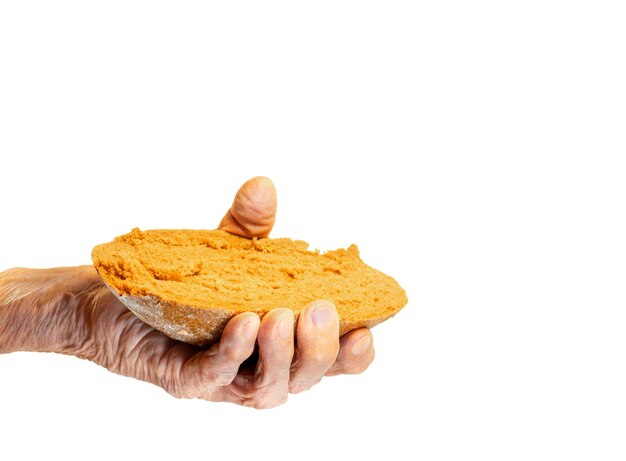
<point>40,309</point>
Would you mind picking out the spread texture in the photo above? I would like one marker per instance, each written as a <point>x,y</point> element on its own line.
<point>183,272</point>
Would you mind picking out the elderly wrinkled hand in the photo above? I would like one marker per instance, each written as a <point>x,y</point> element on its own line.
<point>257,362</point>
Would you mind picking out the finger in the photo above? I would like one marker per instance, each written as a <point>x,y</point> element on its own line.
<point>219,365</point>
<point>356,353</point>
<point>275,339</point>
<point>253,211</point>
<point>317,345</point>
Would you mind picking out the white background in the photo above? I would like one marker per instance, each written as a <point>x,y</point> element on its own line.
<point>473,150</point>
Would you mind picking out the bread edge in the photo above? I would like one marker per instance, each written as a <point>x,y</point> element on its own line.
<point>203,327</point>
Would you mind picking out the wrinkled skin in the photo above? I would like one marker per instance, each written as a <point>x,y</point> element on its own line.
<point>257,362</point>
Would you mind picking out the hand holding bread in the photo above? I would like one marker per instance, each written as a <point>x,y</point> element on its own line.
<point>256,354</point>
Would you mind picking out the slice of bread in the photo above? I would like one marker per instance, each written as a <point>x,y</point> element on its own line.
<point>189,283</point>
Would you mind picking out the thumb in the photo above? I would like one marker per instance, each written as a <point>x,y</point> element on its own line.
<point>253,211</point>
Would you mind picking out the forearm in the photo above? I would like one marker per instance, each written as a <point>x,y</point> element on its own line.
<point>39,309</point>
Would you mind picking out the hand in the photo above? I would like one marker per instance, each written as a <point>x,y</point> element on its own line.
<point>88,321</point>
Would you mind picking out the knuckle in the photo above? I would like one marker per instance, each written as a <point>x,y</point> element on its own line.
<point>220,377</point>
<point>233,354</point>
<point>296,388</point>
<point>273,401</point>
<point>264,387</point>
<point>317,357</point>
<point>320,357</point>
<point>266,396</point>
<point>300,386</point>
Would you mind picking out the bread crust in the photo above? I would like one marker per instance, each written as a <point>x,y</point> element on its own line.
<point>201,327</point>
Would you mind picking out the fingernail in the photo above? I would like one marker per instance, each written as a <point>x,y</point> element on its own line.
<point>324,315</point>
<point>361,346</point>
<point>251,328</point>
<point>285,328</point>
